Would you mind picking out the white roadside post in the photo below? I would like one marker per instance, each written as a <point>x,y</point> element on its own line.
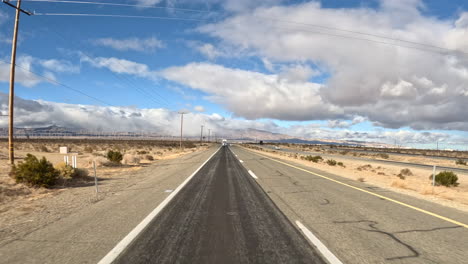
<point>95,179</point>
<point>433,178</point>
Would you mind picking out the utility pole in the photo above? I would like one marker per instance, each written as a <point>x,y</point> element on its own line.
<point>11,100</point>
<point>182,113</point>
<point>209,135</point>
<point>201,135</point>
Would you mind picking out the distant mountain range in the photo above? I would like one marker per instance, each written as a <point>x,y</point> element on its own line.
<point>248,134</point>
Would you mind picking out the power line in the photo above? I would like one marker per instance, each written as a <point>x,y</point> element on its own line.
<point>120,16</point>
<point>58,83</point>
<point>150,98</point>
<point>123,5</point>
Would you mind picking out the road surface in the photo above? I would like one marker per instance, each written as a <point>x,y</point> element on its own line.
<point>221,216</point>
<point>358,222</point>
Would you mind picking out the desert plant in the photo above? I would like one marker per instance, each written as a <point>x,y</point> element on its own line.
<point>35,172</point>
<point>384,155</point>
<point>88,149</point>
<point>446,178</point>
<point>406,172</point>
<point>149,157</point>
<point>114,156</point>
<point>340,164</point>
<point>313,158</point>
<point>142,152</point>
<point>65,171</point>
<point>331,162</point>
<point>460,162</point>
<point>43,148</point>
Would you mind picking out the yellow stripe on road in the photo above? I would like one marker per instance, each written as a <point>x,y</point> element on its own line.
<point>369,192</point>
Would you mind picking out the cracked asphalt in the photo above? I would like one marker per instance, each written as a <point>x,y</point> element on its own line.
<point>356,226</point>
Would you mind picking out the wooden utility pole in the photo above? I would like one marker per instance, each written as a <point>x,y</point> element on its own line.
<point>201,135</point>
<point>209,135</point>
<point>181,126</point>
<point>12,86</point>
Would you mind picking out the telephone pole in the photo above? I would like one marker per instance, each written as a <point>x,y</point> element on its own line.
<point>209,135</point>
<point>201,135</point>
<point>182,113</point>
<point>11,100</point>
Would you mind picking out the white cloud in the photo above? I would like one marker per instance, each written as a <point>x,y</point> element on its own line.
<point>135,44</point>
<point>148,2</point>
<point>373,80</point>
<point>199,108</point>
<point>209,51</point>
<point>38,113</point>
<point>254,95</point>
<point>121,66</point>
<point>59,66</point>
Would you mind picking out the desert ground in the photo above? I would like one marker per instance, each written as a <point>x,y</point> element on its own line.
<point>136,155</point>
<point>416,182</point>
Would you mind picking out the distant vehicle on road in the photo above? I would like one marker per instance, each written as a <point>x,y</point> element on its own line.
<point>224,142</point>
<point>277,148</point>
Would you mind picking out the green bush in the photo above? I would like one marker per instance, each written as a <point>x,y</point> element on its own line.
<point>384,155</point>
<point>114,156</point>
<point>313,158</point>
<point>460,162</point>
<point>35,172</point>
<point>446,178</point>
<point>331,162</point>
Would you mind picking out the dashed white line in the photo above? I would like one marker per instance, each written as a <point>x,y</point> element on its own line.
<point>332,259</point>
<point>241,161</point>
<point>253,174</point>
<point>123,244</point>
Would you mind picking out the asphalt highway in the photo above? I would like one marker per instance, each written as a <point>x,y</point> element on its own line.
<point>222,215</point>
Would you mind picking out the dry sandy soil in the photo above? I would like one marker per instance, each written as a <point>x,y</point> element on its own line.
<point>137,154</point>
<point>393,156</point>
<point>385,176</point>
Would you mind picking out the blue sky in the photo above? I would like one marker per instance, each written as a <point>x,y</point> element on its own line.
<point>255,65</point>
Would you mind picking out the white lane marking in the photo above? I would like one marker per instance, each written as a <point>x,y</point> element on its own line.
<point>253,174</point>
<point>241,161</point>
<point>332,259</point>
<point>120,247</point>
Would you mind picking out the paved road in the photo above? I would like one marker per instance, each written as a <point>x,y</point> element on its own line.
<point>358,222</point>
<point>221,216</point>
<point>390,162</point>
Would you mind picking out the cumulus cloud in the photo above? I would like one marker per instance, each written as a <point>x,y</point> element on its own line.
<point>254,95</point>
<point>133,44</point>
<point>39,113</point>
<point>413,85</point>
<point>121,66</point>
<point>208,50</point>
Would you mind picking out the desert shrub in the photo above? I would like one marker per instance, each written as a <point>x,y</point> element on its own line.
<point>460,162</point>
<point>406,172</point>
<point>142,152</point>
<point>68,172</point>
<point>340,164</point>
<point>35,172</point>
<point>43,148</point>
<point>88,149</point>
<point>446,178</point>
<point>384,155</point>
<point>189,144</point>
<point>361,179</point>
<point>65,171</point>
<point>114,156</point>
<point>80,173</point>
<point>149,157</point>
<point>129,159</point>
<point>364,167</point>
<point>313,158</point>
<point>331,162</point>
<point>169,149</point>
